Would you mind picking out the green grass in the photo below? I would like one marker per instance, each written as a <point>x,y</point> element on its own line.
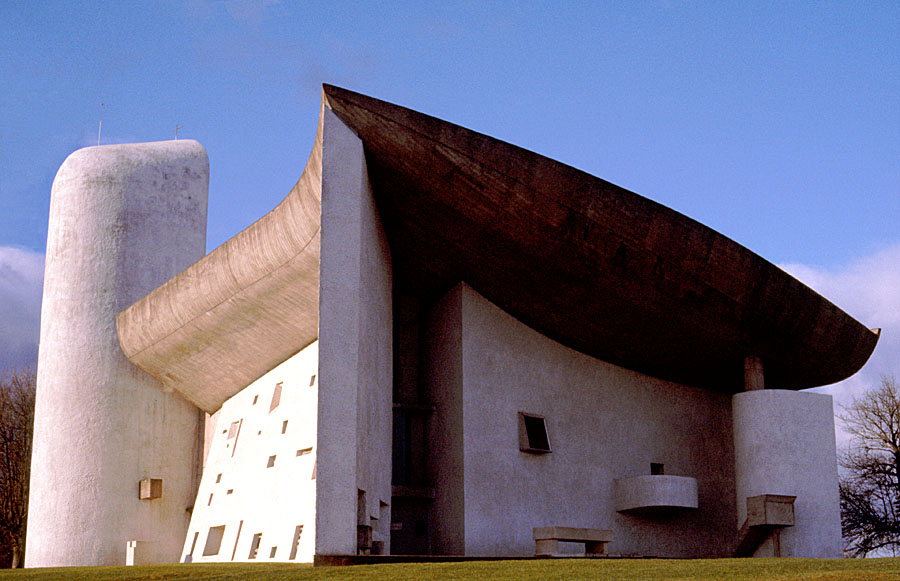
<point>755,569</point>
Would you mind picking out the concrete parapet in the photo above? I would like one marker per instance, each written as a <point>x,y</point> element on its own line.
<point>654,493</point>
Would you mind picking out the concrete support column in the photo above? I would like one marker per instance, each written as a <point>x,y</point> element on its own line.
<point>355,353</point>
<point>784,445</point>
<point>123,220</point>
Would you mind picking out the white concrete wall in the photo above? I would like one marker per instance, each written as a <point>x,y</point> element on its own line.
<point>444,375</point>
<point>123,220</point>
<point>784,444</point>
<point>604,423</point>
<point>355,350</point>
<point>240,491</point>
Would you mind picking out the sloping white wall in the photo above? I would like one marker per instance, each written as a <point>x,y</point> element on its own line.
<point>355,351</point>
<point>123,220</point>
<point>240,491</point>
<point>604,423</point>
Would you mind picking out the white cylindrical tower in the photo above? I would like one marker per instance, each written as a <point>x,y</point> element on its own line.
<point>784,444</point>
<point>123,220</point>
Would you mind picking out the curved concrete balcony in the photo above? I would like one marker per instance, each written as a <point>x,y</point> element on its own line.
<point>650,494</point>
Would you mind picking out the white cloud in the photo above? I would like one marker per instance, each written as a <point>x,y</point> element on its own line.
<point>869,290</point>
<point>21,285</point>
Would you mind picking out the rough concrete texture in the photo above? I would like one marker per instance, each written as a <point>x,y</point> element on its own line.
<point>241,310</point>
<point>123,220</point>
<point>660,494</point>
<point>784,444</point>
<point>355,352</point>
<point>241,491</point>
<point>604,423</point>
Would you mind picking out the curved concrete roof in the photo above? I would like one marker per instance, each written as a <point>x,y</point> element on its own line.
<point>589,264</point>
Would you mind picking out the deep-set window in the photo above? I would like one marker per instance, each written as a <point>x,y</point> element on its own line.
<point>533,437</point>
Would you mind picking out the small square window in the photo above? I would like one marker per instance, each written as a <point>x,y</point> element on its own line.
<point>533,437</point>
<point>657,469</point>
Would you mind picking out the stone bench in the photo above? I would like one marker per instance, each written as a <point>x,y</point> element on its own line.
<point>547,539</point>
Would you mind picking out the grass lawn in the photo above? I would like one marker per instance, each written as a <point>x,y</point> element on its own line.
<point>875,569</point>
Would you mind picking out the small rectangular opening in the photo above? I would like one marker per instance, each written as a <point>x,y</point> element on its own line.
<point>284,426</point>
<point>656,469</point>
<point>533,437</point>
<point>219,478</point>
<point>304,451</point>
<point>213,540</point>
<point>298,530</point>
<point>254,545</point>
<point>271,462</point>
<point>272,552</point>
<point>230,491</point>
<point>276,397</point>
<point>255,397</point>
<point>312,381</point>
<point>210,500</point>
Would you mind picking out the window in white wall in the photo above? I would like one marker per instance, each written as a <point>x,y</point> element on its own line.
<point>304,451</point>
<point>271,462</point>
<point>312,381</point>
<point>213,540</point>
<point>284,426</point>
<point>276,397</point>
<point>533,436</point>
<point>254,545</point>
<point>272,552</point>
<point>297,532</point>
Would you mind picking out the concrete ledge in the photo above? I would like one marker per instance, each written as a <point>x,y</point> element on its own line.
<point>655,493</point>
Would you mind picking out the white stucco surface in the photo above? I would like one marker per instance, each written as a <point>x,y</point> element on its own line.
<point>355,351</point>
<point>784,444</point>
<point>604,423</point>
<point>123,220</point>
<point>239,489</point>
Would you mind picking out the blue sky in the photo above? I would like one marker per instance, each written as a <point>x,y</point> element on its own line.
<point>777,124</point>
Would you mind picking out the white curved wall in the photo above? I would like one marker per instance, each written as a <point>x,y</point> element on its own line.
<point>123,220</point>
<point>784,444</point>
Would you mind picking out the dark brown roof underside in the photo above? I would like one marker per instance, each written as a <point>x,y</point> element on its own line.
<point>589,264</point>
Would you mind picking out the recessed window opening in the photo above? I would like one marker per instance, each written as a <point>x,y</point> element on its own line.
<point>304,451</point>
<point>312,381</point>
<point>284,426</point>
<point>187,558</point>
<point>272,552</point>
<point>297,532</point>
<point>656,469</point>
<point>255,397</point>
<point>230,491</point>
<point>210,500</point>
<point>219,478</point>
<point>276,397</point>
<point>233,430</point>
<point>254,545</point>
<point>533,437</point>
<point>213,540</point>
<point>271,462</point>
<point>314,470</point>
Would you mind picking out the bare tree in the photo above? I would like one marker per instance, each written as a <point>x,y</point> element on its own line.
<point>870,483</point>
<point>16,420</point>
